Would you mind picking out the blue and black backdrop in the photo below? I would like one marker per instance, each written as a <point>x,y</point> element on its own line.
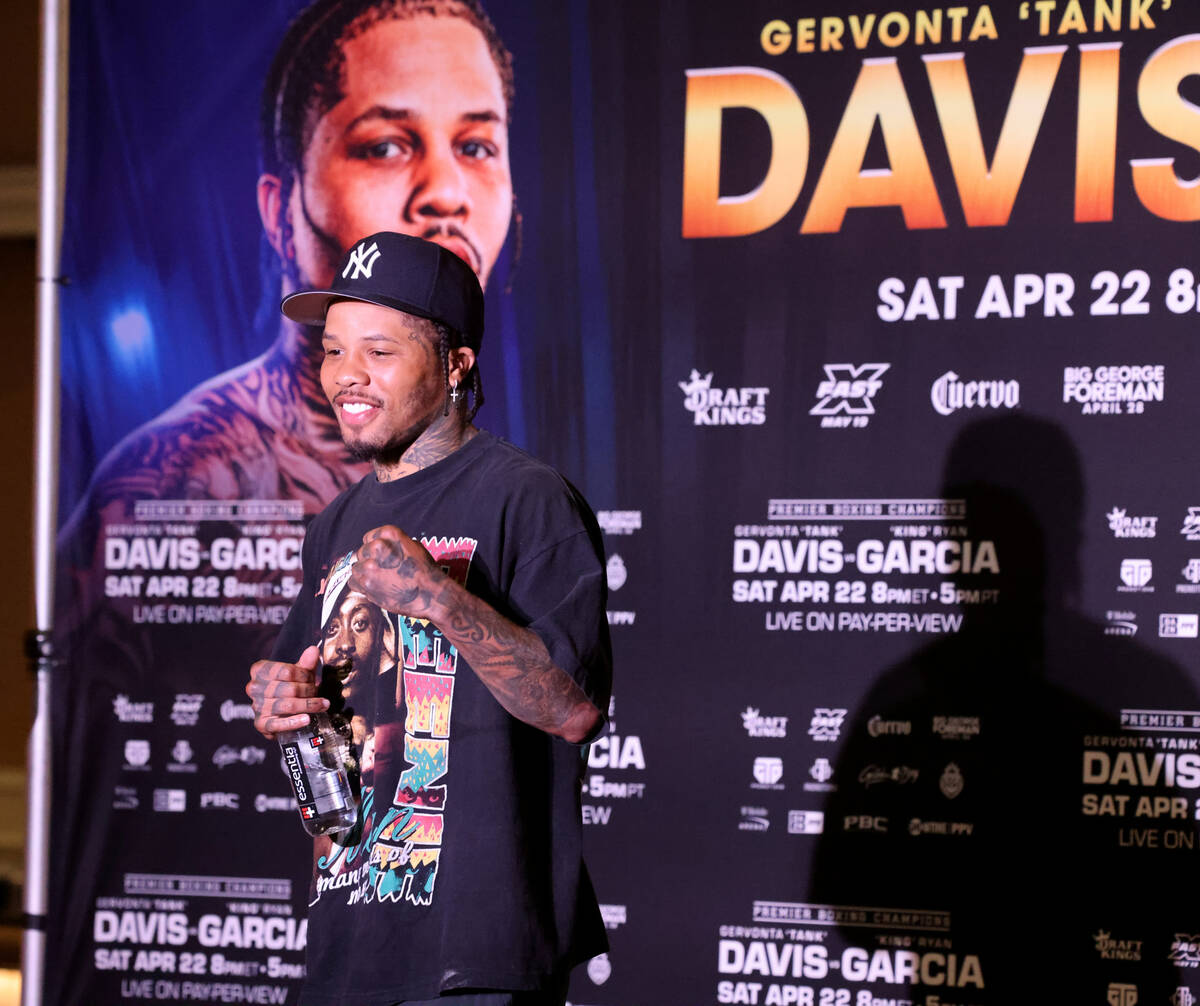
<point>872,339</point>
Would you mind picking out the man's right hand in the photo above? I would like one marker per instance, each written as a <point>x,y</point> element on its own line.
<point>284,694</point>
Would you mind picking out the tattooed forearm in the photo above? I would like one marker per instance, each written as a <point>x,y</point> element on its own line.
<point>517,669</point>
<point>398,574</point>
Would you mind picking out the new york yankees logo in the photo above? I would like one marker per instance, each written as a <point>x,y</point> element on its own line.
<point>360,262</point>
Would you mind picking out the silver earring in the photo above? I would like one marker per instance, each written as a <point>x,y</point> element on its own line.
<point>455,394</point>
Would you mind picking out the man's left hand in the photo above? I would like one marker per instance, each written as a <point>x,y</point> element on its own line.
<point>397,573</point>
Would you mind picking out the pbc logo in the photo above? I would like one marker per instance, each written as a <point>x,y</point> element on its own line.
<point>1191,572</point>
<point>846,395</point>
<point>362,261</point>
<point>865,822</point>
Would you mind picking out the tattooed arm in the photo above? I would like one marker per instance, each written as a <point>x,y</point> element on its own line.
<point>513,663</point>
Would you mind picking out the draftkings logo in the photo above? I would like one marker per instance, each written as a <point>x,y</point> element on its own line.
<point>711,406</point>
<point>1117,950</point>
<point>1135,576</point>
<point>132,712</point>
<point>758,725</point>
<point>1191,524</point>
<point>1124,526</point>
<point>827,724</point>
<point>845,398</point>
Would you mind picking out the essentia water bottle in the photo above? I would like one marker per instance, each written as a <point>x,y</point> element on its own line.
<point>315,760</point>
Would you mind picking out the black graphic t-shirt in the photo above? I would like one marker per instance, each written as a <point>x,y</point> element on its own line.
<point>468,870</point>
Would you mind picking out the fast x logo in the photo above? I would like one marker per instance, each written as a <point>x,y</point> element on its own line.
<point>849,389</point>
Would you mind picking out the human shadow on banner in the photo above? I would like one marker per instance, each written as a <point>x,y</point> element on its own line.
<point>989,779</point>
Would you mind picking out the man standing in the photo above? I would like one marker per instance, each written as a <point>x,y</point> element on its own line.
<point>466,875</point>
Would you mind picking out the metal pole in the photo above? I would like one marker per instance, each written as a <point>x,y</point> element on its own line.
<point>51,143</point>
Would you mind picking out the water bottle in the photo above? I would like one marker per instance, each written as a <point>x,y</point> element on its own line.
<point>315,760</point>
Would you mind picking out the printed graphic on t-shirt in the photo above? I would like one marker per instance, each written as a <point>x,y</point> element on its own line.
<point>397,678</point>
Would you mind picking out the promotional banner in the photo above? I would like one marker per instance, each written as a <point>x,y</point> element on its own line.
<point>868,336</point>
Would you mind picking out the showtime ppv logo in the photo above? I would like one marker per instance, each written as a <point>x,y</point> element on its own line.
<point>950,393</point>
<point>711,406</point>
<point>846,396</point>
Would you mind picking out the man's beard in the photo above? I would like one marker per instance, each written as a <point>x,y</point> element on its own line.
<point>388,454</point>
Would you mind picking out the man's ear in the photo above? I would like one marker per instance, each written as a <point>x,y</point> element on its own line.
<point>461,361</point>
<point>271,211</point>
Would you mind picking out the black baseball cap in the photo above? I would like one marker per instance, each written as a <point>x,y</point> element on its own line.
<point>406,274</point>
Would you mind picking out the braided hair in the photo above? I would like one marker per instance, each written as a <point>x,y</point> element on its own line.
<point>449,339</point>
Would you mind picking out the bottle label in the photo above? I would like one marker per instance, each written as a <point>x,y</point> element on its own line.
<point>296,772</point>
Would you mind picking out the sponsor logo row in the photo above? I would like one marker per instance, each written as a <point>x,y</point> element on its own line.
<point>138,756</point>
<point>827,723</point>
<point>813,822</point>
<point>185,709</point>
<point>768,771</point>
<point>1171,625</point>
<point>846,394</point>
<point>1124,525</point>
<point>169,800</point>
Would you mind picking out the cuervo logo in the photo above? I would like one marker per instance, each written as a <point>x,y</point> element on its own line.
<point>949,394</point>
